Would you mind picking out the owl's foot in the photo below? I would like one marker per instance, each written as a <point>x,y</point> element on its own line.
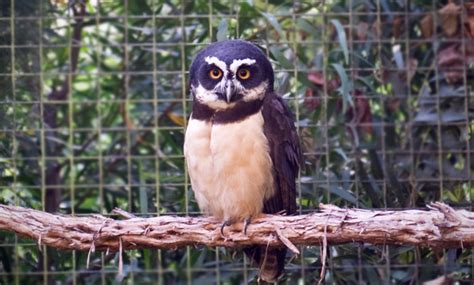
<point>246,224</point>
<point>230,222</point>
<point>226,223</point>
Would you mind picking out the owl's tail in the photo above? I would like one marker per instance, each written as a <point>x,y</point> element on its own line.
<point>271,261</point>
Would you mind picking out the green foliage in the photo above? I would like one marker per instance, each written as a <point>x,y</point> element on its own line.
<point>382,103</point>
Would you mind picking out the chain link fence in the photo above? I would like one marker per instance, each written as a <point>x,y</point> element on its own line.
<point>94,104</point>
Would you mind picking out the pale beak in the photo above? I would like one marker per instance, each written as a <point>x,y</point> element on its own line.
<point>229,91</point>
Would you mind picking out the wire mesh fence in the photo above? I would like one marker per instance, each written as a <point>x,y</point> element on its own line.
<point>94,104</point>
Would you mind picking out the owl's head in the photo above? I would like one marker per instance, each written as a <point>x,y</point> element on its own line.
<point>228,72</point>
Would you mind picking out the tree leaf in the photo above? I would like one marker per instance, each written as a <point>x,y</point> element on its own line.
<point>307,27</point>
<point>345,88</point>
<point>449,15</point>
<point>346,195</point>
<point>222,30</point>
<point>426,26</point>
<point>341,35</point>
<point>280,57</point>
<point>274,22</point>
<point>143,195</point>
<point>398,56</point>
<point>176,118</point>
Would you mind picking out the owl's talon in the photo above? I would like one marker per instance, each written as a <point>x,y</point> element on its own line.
<point>226,223</point>
<point>246,225</point>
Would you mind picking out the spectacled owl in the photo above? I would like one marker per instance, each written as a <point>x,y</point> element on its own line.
<point>241,145</point>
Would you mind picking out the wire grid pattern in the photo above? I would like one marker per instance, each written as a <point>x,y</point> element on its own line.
<point>95,102</point>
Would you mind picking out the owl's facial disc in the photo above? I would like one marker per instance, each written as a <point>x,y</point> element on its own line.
<point>223,85</point>
<point>229,72</point>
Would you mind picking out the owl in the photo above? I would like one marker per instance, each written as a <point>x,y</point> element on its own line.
<point>241,146</point>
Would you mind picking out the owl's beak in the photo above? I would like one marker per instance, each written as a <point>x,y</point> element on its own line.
<point>230,91</point>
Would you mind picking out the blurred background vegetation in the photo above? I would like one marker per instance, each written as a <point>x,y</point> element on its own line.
<point>94,103</point>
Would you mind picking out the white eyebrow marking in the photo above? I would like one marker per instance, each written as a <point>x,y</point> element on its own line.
<point>219,63</point>
<point>238,62</point>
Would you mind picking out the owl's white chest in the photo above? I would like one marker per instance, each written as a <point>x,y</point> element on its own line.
<point>230,167</point>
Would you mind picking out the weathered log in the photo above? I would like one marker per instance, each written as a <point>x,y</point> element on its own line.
<point>439,227</point>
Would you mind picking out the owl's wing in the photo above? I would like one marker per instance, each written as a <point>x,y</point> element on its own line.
<point>285,153</point>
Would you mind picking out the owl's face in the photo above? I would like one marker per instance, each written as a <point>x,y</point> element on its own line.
<point>226,73</point>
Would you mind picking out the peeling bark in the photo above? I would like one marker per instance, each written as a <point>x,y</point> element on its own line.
<point>439,227</point>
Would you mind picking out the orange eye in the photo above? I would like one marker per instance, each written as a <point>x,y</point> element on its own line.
<point>243,73</point>
<point>215,73</point>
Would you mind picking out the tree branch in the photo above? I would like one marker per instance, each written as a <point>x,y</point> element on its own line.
<point>439,227</point>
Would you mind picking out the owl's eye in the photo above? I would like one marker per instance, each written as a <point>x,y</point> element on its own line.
<point>215,73</point>
<point>243,73</point>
